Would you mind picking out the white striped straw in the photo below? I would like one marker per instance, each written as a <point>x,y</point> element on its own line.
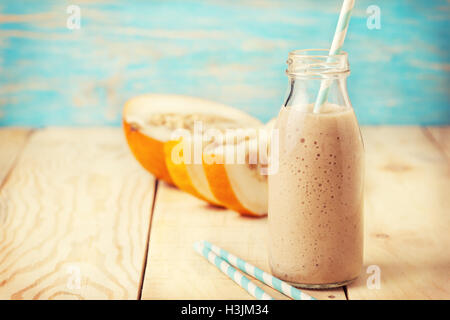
<point>232,273</point>
<point>259,274</point>
<point>336,47</point>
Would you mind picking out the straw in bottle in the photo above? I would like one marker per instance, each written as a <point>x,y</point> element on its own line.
<point>336,47</point>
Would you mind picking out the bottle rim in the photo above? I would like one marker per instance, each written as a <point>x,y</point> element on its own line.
<point>317,63</point>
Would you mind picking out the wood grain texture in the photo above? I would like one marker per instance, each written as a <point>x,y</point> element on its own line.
<point>407,216</point>
<point>441,135</point>
<point>74,217</point>
<point>78,204</point>
<point>176,271</point>
<point>12,140</point>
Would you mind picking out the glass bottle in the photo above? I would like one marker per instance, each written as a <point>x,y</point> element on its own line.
<point>316,181</point>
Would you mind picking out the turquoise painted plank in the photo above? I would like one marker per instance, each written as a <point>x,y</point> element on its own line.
<point>233,52</point>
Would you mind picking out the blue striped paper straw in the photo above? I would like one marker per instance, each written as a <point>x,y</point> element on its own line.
<point>231,272</point>
<point>259,274</point>
<point>336,47</point>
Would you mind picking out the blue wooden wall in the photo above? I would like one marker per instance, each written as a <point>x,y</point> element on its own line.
<point>229,51</point>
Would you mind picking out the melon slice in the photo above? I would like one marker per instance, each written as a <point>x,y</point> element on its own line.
<point>239,186</point>
<point>149,122</point>
<point>189,177</point>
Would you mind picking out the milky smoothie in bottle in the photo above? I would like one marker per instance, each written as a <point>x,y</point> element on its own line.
<point>316,197</point>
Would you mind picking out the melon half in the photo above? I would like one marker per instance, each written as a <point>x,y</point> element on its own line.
<point>149,123</point>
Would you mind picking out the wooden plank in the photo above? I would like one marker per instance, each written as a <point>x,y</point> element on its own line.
<point>175,271</point>
<point>243,45</point>
<point>441,135</point>
<point>75,214</point>
<point>12,141</point>
<point>407,216</point>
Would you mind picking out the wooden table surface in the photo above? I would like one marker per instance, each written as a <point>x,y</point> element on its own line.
<point>80,219</point>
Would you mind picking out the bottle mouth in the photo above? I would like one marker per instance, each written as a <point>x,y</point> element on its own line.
<point>317,63</point>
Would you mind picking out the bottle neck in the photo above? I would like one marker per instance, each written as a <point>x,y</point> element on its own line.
<point>309,71</point>
<point>317,64</point>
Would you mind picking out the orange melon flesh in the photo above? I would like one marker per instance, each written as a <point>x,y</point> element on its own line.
<point>148,151</point>
<point>188,177</point>
<point>200,181</point>
<point>178,171</point>
<point>251,193</point>
<point>221,187</point>
<point>235,185</point>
